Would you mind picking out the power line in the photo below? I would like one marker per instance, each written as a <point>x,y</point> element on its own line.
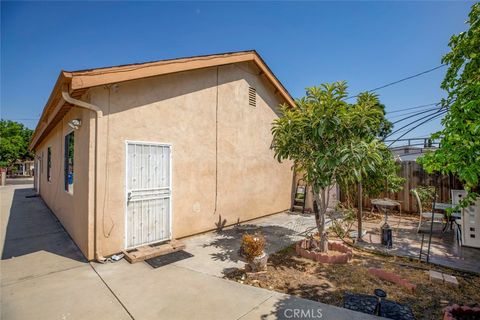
<point>415,121</point>
<point>411,108</point>
<point>410,130</point>
<point>418,125</point>
<point>402,80</point>
<point>411,114</point>
<point>416,114</point>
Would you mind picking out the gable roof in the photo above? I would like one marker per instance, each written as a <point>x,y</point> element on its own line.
<point>77,82</point>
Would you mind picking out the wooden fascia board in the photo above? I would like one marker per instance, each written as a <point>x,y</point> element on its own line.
<point>120,74</point>
<point>273,79</point>
<point>82,80</point>
<point>50,109</point>
<point>40,132</point>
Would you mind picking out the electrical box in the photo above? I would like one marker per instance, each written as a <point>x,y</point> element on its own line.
<point>471,225</point>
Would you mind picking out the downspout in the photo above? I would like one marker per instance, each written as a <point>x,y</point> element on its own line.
<point>98,114</point>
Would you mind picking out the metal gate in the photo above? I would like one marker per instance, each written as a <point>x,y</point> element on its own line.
<point>148,188</point>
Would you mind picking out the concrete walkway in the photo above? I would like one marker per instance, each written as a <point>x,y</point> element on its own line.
<point>44,275</point>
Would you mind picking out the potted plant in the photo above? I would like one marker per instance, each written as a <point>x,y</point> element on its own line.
<point>253,246</point>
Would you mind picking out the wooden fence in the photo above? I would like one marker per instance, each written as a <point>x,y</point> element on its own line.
<point>415,176</point>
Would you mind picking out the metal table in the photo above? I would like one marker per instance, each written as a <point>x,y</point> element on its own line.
<point>384,205</point>
<point>443,207</point>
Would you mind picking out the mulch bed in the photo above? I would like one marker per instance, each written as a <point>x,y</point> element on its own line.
<point>288,273</point>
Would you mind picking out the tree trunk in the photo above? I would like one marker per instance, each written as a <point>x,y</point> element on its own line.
<point>319,207</point>
<point>359,212</point>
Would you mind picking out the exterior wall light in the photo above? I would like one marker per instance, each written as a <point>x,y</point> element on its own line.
<point>75,124</point>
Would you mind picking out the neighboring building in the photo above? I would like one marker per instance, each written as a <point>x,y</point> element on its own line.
<point>21,168</point>
<point>143,153</point>
<point>407,153</point>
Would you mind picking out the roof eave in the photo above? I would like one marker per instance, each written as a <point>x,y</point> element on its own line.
<point>80,80</point>
<point>64,78</point>
<point>105,76</point>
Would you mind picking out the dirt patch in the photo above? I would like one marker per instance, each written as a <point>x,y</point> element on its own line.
<point>288,273</point>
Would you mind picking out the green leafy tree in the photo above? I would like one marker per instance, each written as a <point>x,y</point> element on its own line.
<point>14,140</point>
<point>326,138</point>
<point>367,118</point>
<point>369,115</point>
<point>374,112</point>
<point>459,151</point>
<point>369,164</point>
<point>386,176</point>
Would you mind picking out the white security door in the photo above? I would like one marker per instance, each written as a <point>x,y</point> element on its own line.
<point>148,217</point>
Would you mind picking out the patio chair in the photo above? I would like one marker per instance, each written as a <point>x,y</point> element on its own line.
<point>457,196</point>
<point>426,216</point>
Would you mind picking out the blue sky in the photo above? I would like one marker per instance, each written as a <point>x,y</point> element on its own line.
<point>305,43</point>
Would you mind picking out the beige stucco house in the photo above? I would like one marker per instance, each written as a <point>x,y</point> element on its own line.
<point>143,153</point>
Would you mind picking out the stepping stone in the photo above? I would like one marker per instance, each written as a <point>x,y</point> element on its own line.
<point>436,276</point>
<point>452,280</point>
<point>392,277</point>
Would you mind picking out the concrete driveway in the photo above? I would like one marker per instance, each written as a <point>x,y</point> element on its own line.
<point>44,275</point>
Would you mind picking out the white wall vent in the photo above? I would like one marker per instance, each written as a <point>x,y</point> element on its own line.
<point>252,97</point>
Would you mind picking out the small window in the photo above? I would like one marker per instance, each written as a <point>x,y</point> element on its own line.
<point>69,148</point>
<point>49,164</point>
<point>252,97</point>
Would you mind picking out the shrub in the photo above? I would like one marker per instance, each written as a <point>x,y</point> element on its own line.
<point>343,219</point>
<point>253,245</point>
<point>426,195</point>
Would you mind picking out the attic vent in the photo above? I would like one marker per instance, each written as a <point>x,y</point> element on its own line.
<point>252,97</point>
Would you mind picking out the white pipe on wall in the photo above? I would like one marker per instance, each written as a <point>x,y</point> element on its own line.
<point>98,114</point>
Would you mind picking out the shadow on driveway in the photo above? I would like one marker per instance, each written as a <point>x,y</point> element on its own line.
<point>32,227</point>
